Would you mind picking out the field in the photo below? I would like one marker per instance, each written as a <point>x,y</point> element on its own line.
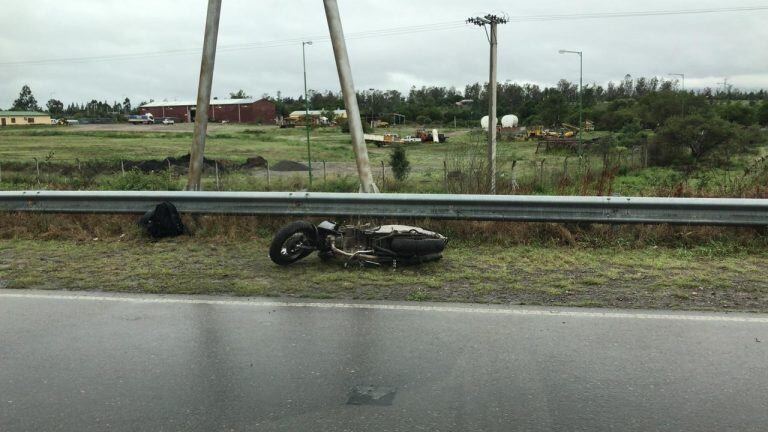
<point>110,147</point>
<point>101,157</point>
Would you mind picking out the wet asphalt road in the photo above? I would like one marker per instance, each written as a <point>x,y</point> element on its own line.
<point>129,363</point>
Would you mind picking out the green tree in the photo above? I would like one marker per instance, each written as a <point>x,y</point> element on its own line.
<point>398,160</point>
<point>26,101</point>
<point>762,114</point>
<point>55,107</point>
<point>699,140</point>
<point>240,94</point>
<point>553,109</point>
<point>738,113</point>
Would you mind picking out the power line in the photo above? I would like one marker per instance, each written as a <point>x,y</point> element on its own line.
<point>613,15</point>
<point>395,31</point>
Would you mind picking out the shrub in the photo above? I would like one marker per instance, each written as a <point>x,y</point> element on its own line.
<point>398,160</point>
<point>135,180</point>
<point>344,125</point>
<point>699,140</point>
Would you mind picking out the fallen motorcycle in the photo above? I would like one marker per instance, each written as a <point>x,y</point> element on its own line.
<point>363,245</point>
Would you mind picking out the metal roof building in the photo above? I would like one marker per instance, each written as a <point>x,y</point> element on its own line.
<point>295,115</point>
<point>19,118</point>
<point>221,110</point>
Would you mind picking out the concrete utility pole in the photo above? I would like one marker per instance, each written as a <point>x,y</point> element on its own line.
<point>204,95</point>
<point>350,97</point>
<point>493,21</point>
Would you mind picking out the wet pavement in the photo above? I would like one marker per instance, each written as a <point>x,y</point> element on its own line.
<point>72,362</point>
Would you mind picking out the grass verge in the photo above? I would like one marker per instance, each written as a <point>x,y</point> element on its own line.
<point>698,278</point>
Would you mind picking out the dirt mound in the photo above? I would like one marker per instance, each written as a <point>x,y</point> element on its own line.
<point>162,165</point>
<point>255,162</point>
<point>289,166</point>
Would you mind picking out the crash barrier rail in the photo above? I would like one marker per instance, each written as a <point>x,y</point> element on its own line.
<point>521,208</point>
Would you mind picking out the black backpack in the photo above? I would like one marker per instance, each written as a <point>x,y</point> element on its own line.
<point>162,221</point>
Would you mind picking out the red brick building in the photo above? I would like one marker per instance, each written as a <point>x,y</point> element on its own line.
<point>229,110</point>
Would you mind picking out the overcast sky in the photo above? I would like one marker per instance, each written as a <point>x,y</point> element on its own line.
<point>706,47</point>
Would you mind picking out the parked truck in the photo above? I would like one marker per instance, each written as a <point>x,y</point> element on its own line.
<point>141,119</point>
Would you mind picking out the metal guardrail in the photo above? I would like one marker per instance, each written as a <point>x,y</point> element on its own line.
<point>611,210</point>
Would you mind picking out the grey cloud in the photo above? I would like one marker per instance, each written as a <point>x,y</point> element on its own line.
<point>705,47</point>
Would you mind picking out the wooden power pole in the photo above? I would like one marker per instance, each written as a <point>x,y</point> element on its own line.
<point>492,21</point>
<point>204,95</point>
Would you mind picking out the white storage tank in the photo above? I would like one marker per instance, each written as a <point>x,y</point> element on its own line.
<point>484,122</point>
<point>509,121</point>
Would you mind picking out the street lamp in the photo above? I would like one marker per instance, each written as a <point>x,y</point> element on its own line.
<point>581,93</point>
<point>682,76</point>
<point>306,105</point>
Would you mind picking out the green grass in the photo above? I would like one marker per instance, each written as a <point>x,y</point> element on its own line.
<point>646,277</point>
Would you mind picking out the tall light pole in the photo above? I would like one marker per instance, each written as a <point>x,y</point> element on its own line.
<point>682,77</point>
<point>493,21</point>
<point>306,106</point>
<point>581,95</point>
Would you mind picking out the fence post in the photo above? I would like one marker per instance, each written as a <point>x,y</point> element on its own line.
<point>1,173</point>
<point>565,167</point>
<point>268,175</point>
<point>645,154</point>
<point>383,178</point>
<point>37,168</point>
<point>216,165</point>
<point>445,175</point>
<point>122,167</point>
<point>514,176</point>
<point>324,177</point>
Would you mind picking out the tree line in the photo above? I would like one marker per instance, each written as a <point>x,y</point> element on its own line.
<point>93,109</point>
<point>645,102</point>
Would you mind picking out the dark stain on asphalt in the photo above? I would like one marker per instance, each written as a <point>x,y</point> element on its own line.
<point>371,395</point>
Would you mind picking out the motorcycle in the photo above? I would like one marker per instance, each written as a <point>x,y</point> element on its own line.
<point>363,245</point>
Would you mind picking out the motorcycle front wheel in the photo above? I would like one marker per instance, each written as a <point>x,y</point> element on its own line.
<point>293,242</point>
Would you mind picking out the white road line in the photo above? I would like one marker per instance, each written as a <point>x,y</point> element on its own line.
<point>489,310</point>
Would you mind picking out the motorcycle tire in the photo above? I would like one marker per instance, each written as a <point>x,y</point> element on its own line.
<point>411,247</point>
<point>419,259</point>
<point>293,242</point>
